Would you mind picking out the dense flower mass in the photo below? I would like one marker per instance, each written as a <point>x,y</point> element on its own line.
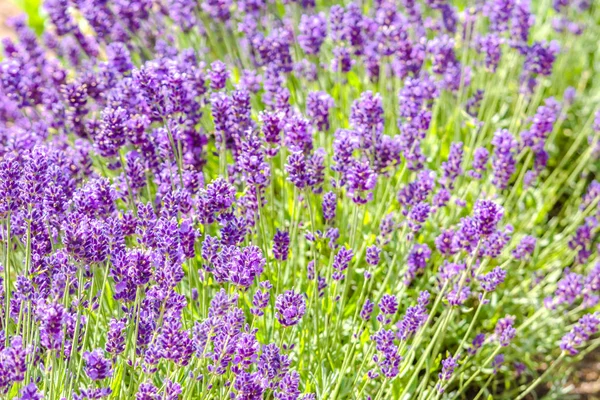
<point>249,199</point>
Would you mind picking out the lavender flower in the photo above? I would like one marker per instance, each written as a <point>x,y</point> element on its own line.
<point>477,343</point>
<point>581,332</point>
<point>290,308</point>
<point>329,206</point>
<point>317,108</point>
<point>446,243</point>
<point>218,75</point>
<point>525,248</point>
<point>486,215</point>
<point>96,366</point>
<point>480,159</point>
<point>281,244</point>
<point>341,262</point>
<point>115,343</point>
<point>505,332</point>
<point>414,317</point>
<point>367,310</point>
<point>373,255</point>
<point>503,160</point>
<point>448,366</point>
<point>452,167</point>
<point>491,280</point>
<point>313,30</point>
<point>416,261</point>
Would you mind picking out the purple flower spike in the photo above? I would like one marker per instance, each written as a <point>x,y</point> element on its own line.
<point>448,366</point>
<point>487,214</point>
<point>491,280</point>
<point>329,206</point>
<point>281,245</point>
<point>373,255</point>
<point>581,332</point>
<point>341,262</point>
<point>503,158</point>
<point>290,308</point>
<point>218,75</point>
<point>313,30</point>
<point>388,307</point>
<point>318,105</point>
<point>367,310</point>
<point>96,366</point>
<point>504,331</point>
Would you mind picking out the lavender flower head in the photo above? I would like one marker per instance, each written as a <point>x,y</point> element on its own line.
<point>318,105</point>
<point>504,331</point>
<point>290,307</point>
<point>581,332</point>
<point>281,245</point>
<point>373,255</point>
<point>487,214</point>
<point>96,366</point>
<point>313,30</point>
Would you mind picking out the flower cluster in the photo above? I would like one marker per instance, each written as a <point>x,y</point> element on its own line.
<point>244,199</point>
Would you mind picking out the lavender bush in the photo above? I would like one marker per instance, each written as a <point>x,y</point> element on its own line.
<point>298,200</point>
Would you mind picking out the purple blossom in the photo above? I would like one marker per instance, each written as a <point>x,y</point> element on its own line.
<point>96,366</point>
<point>115,342</point>
<point>218,75</point>
<point>458,295</point>
<point>240,266</point>
<point>525,248</point>
<point>414,318</point>
<point>452,167</point>
<point>499,13</point>
<point>446,243</point>
<point>366,117</point>
<point>416,261</point>
<point>388,305</point>
<point>297,170</point>
<point>290,308</point>
<point>568,288</point>
<point>521,21</point>
<point>418,216</point>
<point>542,124</point>
<point>313,30</point>
<point>504,331</point>
<point>486,215</point>
<point>582,240</point>
<point>581,332</point>
<point>298,135</point>
<point>318,105</point>
<point>489,45</point>
<point>468,234</point>
<point>360,181</point>
<point>480,159</point>
<point>341,262</point>
<point>593,190</point>
<point>342,60</point>
<point>261,298</point>
<point>491,280</point>
<point>503,158</point>
<point>373,255</point>
<point>477,343</point>
<point>329,206</point>
<point>367,310</point>
<point>281,245</point>
<point>448,366</point>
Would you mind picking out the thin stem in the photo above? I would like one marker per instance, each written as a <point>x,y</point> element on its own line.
<point>540,379</point>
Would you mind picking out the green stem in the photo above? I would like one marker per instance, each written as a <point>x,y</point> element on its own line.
<point>542,377</point>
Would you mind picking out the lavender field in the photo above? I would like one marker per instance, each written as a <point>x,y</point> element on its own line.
<point>266,199</point>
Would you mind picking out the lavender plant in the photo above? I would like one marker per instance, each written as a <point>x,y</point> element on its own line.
<point>298,200</point>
